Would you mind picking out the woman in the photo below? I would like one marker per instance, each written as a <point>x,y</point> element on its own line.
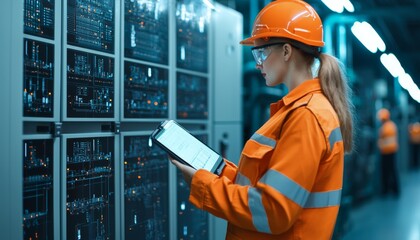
<point>289,179</point>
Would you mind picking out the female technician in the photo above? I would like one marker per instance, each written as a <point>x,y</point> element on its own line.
<point>289,179</point>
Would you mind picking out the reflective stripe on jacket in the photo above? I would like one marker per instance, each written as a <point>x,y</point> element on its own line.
<point>388,142</point>
<point>289,179</point>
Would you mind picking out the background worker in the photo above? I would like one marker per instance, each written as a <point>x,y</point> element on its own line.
<point>388,146</point>
<point>289,179</point>
<point>414,131</point>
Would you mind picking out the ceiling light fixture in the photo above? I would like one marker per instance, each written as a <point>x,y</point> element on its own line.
<point>367,35</point>
<point>338,6</point>
<point>334,5</point>
<point>348,5</point>
<point>392,64</point>
<point>408,84</point>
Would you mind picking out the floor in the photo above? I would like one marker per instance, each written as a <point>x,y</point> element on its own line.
<point>389,218</point>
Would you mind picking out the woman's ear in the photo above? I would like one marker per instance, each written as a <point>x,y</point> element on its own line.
<point>287,51</point>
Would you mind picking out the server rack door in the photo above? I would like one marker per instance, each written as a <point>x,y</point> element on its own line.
<point>146,92</point>
<point>89,186</point>
<point>192,97</point>
<point>192,24</point>
<point>40,155</point>
<point>193,223</point>
<point>41,60</point>
<point>145,211</point>
<point>227,64</point>
<point>90,48</point>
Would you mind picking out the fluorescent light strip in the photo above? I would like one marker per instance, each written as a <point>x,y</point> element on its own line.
<point>348,5</point>
<point>392,64</point>
<point>334,5</point>
<point>338,6</point>
<point>415,95</point>
<point>360,32</point>
<point>375,36</point>
<point>408,84</point>
<point>394,67</point>
<point>367,35</point>
<point>406,81</point>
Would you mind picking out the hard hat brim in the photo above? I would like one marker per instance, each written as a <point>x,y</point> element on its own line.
<point>250,41</point>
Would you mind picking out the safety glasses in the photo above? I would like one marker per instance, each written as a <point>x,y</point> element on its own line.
<point>261,53</point>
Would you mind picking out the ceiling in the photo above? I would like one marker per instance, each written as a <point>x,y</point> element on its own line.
<point>396,21</point>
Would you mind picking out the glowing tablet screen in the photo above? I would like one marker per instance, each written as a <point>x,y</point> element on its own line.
<point>187,147</point>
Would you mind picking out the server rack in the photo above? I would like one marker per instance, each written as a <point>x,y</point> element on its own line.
<point>89,196</point>
<point>40,187</point>
<point>146,92</point>
<point>41,62</point>
<point>146,197</point>
<point>69,84</point>
<point>90,51</point>
<point>192,223</point>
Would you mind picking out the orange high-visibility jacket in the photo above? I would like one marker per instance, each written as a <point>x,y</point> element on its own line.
<point>388,142</point>
<point>414,131</point>
<point>288,183</point>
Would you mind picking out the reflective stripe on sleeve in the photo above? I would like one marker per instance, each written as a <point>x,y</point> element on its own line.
<point>259,216</point>
<point>263,140</point>
<point>293,191</point>
<point>335,136</point>
<point>242,180</point>
<point>324,199</point>
<point>285,186</point>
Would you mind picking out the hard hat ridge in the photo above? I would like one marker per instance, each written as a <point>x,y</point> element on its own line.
<point>291,19</point>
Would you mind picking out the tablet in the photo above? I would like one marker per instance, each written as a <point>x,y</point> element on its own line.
<point>186,148</point>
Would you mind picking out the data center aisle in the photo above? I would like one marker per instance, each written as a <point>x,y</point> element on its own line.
<point>389,218</point>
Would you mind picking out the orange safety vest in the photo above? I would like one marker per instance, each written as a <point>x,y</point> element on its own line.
<point>414,130</point>
<point>288,183</point>
<point>388,142</point>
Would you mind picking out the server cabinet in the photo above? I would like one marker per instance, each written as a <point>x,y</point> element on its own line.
<point>192,97</point>
<point>145,207</point>
<point>39,18</point>
<point>146,92</point>
<point>90,68</point>
<point>227,67</point>
<point>38,84</point>
<point>40,156</point>
<point>90,85</point>
<point>193,223</point>
<point>146,30</point>
<point>146,60</point>
<point>91,24</point>
<point>192,28</point>
<point>41,60</point>
<point>89,186</point>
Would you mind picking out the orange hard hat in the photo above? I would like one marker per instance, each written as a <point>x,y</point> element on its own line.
<point>291,19</point>
<point>383,114</point>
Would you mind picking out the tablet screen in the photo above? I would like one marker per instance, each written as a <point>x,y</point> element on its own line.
<point>187,147</point>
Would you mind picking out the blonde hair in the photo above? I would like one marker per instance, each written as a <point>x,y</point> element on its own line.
<point>335,88</point>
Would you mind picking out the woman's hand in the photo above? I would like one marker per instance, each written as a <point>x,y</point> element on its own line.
<point>187,171</point>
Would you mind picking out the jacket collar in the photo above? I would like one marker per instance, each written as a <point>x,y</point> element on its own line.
<point>307,87</point>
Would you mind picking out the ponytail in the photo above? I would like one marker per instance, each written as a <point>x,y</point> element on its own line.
<point>335,88</point>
